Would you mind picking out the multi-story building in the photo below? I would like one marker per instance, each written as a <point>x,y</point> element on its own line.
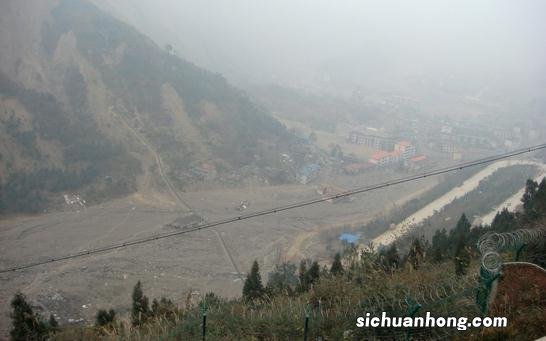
<point>403,151</point>
<point>406,149</point>
<point>371,141</point>
<point>382,158</point>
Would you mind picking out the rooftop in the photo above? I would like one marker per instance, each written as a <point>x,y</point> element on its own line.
<point>382,154</point>
<point>418,158</point>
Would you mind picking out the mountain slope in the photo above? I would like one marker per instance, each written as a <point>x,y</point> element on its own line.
<point>76,84</point>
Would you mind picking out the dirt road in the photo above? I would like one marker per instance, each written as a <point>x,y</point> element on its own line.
<point>173,190</point>
<point>157,158</point>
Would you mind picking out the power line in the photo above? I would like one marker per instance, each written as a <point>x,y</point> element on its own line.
<point>278,209</point>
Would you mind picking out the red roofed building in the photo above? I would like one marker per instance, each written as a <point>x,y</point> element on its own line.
<point>406,149</point>
<point>382,158</point>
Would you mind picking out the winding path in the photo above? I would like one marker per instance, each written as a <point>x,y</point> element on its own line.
<point>157,158</point>
<point>173,190</point>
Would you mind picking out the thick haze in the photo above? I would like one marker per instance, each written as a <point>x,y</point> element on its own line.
<point>345,44</point>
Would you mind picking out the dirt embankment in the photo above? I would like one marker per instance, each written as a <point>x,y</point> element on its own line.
<point>512,203</point>
<point>469,185</point>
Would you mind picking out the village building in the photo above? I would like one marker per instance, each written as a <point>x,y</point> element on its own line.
<point>403,151</point>
<point>406,149</point>
<point>371,141</point>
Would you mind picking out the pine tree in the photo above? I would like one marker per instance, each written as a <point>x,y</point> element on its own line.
<point>105,318</point>
<point>439,245</point>
<point>211,300</point>
<point>313,274</point>
<point>141,309</point>
<point>282,280</point>
<point>461,231</point>
<point>389,258</point>
<point>337,267</point>
<point>462,258</point>
<point>504,221</point>
<point>308,276</point>
<point>163,308</point>
<point>540,198</point>
<point>26,324</point>
<point>302,274</point>
<point>253,288</point>
<point>463,226</point>
<point>416,254</point>
<point>528,199</point>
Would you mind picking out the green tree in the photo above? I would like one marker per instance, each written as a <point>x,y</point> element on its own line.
<point>211,300</point>
<point>461,258</point>
<point>462,228</point>
<point>461,231</point>
<point>528,199</point>
<point>282,280</point>
<point>302,276</point>
<point>141,310</point>
<point>253,288</point>
<point>416,254</point>
<point>309,274</point>
<point>504,221</point>
<point>540,198</point>
<point>440,243</point>
<point>26,324</point>
<point>105,318</point>
<point>164,308</point>
<point>313,274</point>
<point>337,267</point>
<point>389,257</point>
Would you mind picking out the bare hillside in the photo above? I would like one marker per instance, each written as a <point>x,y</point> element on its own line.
<point>75,87</point>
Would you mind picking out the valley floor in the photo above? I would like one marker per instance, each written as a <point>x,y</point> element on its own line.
<point>178,267</point>
<point>183,267</point>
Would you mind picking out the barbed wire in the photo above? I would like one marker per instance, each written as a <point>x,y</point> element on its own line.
<point>426,295</point>
<point>437,299</point>
<point>491,244</point>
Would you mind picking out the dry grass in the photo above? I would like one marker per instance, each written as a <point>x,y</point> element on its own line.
<point>333,305</point>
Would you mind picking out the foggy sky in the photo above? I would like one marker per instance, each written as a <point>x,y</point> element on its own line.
<point>305,43</point>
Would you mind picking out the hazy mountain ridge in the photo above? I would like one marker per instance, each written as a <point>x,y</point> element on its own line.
<point>104,79</point>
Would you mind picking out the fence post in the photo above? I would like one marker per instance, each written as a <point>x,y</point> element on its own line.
<point>484,289</point>
<point>413,308</point>
<point>518,252</point>
<point>204,312</point>
<point>306,326</point>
